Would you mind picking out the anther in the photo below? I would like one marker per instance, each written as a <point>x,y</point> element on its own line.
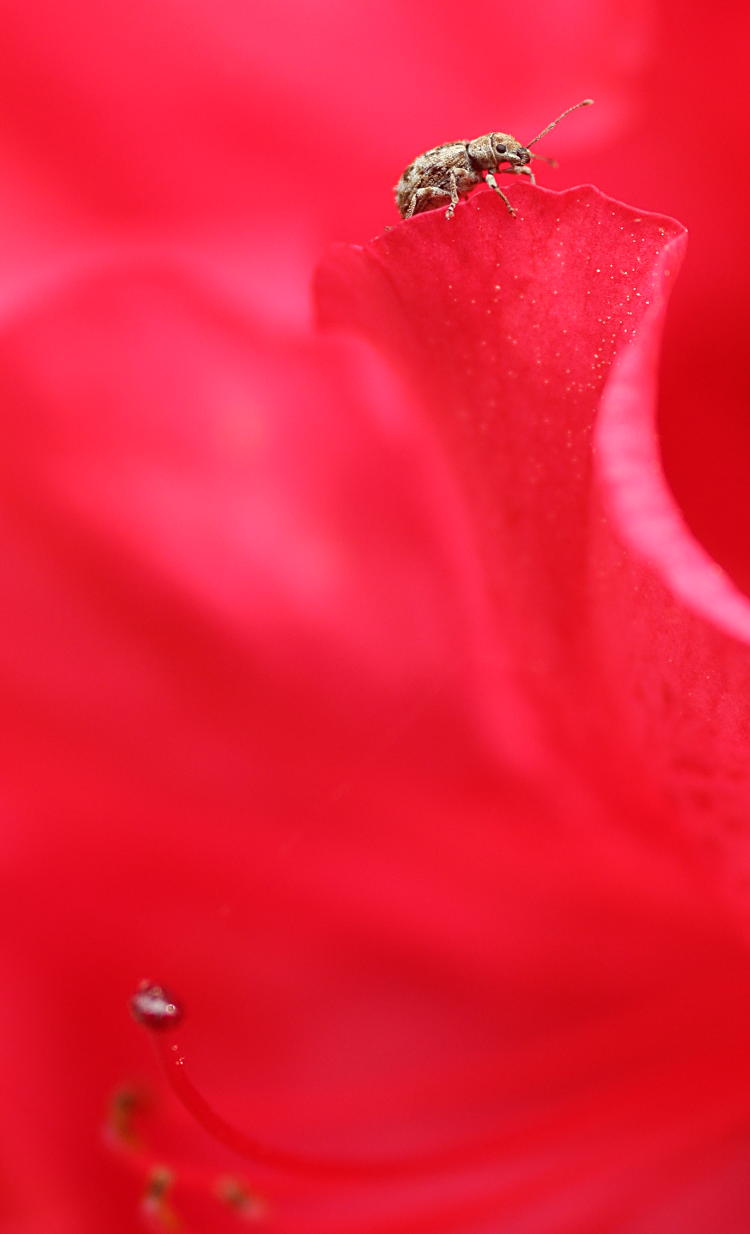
<point>156,1198</point>
<point>154,1007</point>
<point>124,1106</point>
<point>239,1197</point>
<point>158,1184</point>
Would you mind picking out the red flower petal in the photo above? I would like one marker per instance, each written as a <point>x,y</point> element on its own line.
<point>584,609</point>
<point>528,340</point>
<point>509,329</point>
<point>354,795</point>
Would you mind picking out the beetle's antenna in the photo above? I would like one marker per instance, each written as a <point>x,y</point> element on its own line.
<point>543,158</point>
<point>583,103</point>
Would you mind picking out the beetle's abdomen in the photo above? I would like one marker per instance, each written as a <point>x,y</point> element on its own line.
<point>433,170</point>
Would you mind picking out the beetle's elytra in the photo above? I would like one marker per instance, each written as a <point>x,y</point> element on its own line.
<point>454,168</point>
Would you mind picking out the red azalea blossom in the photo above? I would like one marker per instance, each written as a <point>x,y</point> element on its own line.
<point>373,714</point>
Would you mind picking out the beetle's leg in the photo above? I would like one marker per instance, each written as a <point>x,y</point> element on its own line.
<point>426,191</point>
<point>520,171</point>
<point>454,196</point>
<point>494,185</point>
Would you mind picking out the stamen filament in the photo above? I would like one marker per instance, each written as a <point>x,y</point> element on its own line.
<point>457,1157</point>
<point>252,1149</point>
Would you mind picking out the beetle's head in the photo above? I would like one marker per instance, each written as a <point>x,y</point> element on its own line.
<point>496,148</point>
<point>507,150</point>
<point>521,156</point>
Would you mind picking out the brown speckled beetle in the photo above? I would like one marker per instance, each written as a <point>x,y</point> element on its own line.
<point>454,168</point>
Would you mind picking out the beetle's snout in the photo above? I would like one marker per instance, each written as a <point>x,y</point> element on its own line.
<point>523,155</point>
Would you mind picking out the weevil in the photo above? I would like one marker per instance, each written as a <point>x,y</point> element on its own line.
<point>452,169</point>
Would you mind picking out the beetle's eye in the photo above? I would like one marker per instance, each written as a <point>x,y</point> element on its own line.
<point>501,149</point>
